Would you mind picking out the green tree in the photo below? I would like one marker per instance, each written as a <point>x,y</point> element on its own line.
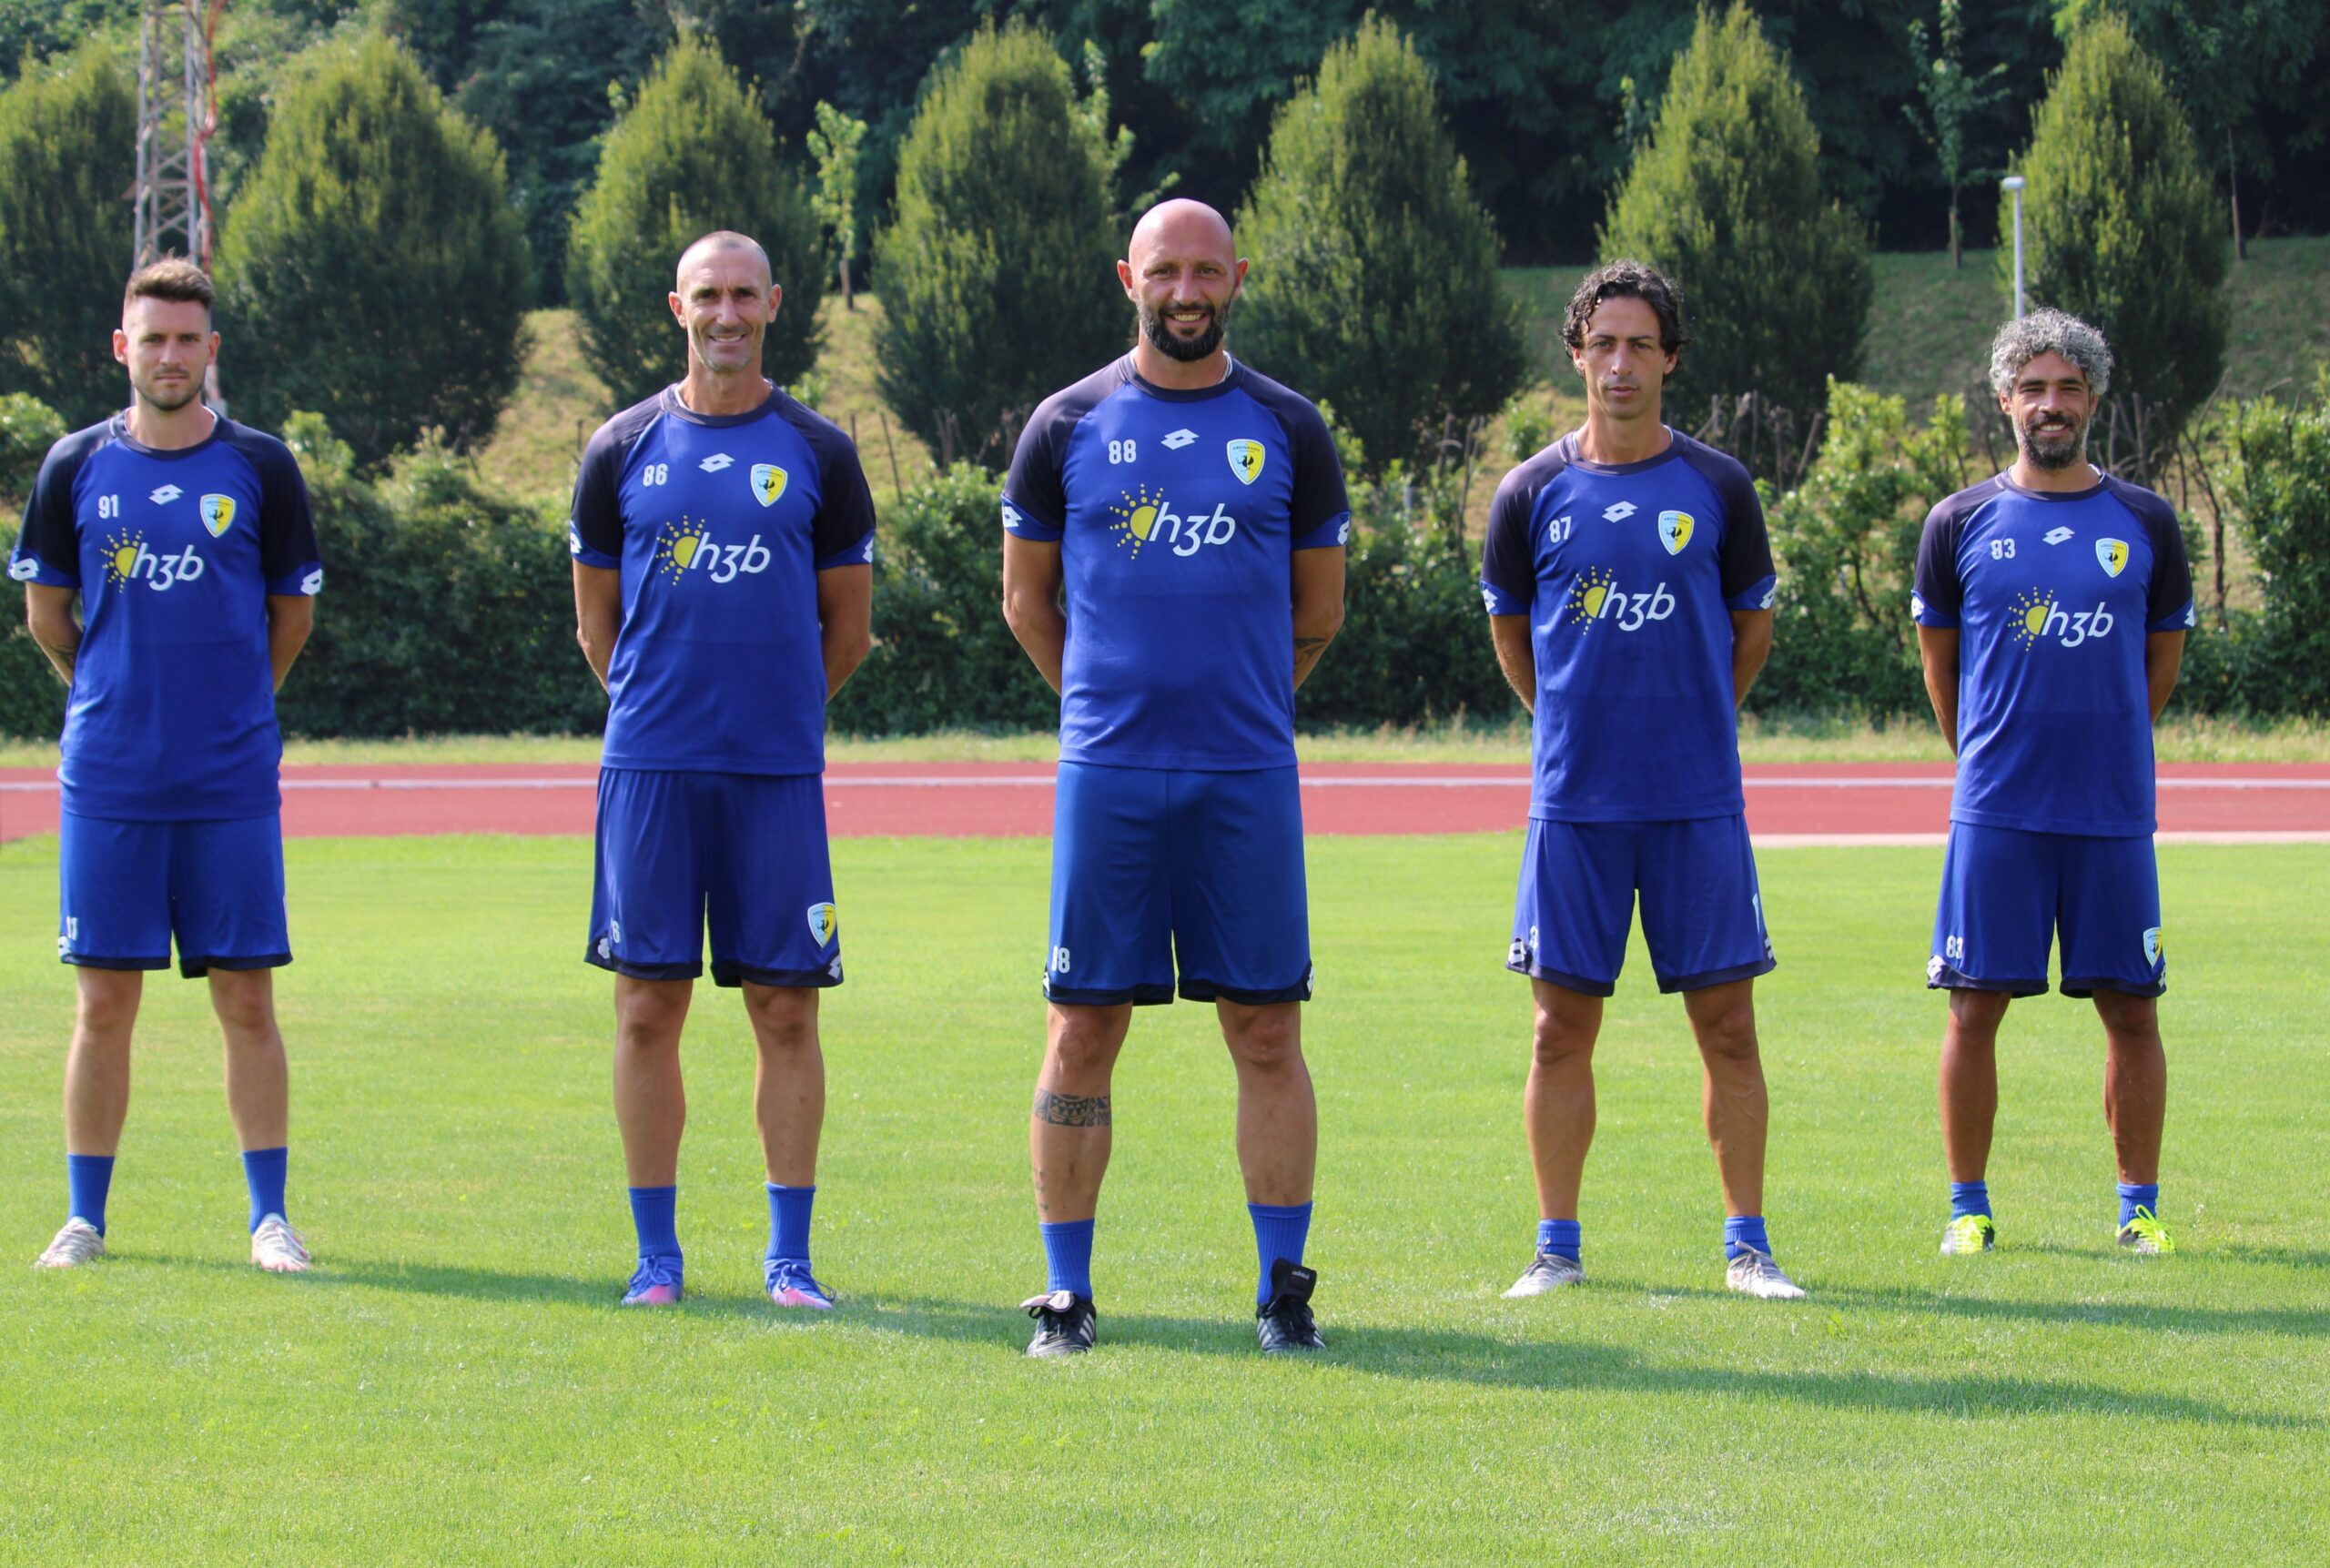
<point>372,269</point>
<point>691,154</point>
<point>996,279</point>
<point>834,143</point>
<point>67,153</point>
<point>1726,198</point>
<point>1952,98</point>
<point>2120,230</point>
<point>1374,281</point>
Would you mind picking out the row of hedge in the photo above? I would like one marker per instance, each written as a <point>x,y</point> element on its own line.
<point>450,609</point>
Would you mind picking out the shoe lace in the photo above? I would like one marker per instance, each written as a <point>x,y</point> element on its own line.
<point>1290,1315</point>
<point>277,1234</point>
<point>785,1272</point>
<point>654,1271</point>
<point>1969,1227</point>
<point>2145,1226</point>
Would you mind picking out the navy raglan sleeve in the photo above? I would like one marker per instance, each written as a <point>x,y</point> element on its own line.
<point>1320,513</point>
<point>49,551</point>
<point>1937,591</point>
<point>2168,603</point>
<point>1035,500</point>
<point>289,557</point>
<point>1746,573</point>
<point>1508,566</point>
<point>843,533</point>
<point>594,524</point>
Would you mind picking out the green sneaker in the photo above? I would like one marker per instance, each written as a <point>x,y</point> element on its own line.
<point>1970,1233</point>
<point>2146,1234</point>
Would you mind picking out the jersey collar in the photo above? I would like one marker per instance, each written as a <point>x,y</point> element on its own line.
<point>1177,395</point>
<point>680,411</point>
<point>121,432</point>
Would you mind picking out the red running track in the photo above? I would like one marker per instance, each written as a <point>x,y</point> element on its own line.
<point>1870,801</point>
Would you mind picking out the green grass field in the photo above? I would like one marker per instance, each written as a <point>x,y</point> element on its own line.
<point>456,1383</point>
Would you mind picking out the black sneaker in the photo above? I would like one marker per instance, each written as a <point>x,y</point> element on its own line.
<point>1066,1324</point>
<point>1283,1322</point>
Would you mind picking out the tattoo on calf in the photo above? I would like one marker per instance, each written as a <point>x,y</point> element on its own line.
<point>1071,1111</point>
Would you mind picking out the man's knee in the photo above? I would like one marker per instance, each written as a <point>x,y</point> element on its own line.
<point>1267,1038</point>
<point>1085,1042</point>
<point>1978,1013</point>
<point>244,1001</point>
<point>650,1013</point>
<point>784,1018</point>
<point>2134,1018</point>
<point>1725,1024</point>
<point>108,999</point>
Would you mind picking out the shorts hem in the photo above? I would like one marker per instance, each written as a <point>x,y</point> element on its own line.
<point>1208,991</point>
<point>1579,982</point>
<point>727,972</point>
<point>1138,995</point>
<point>94,961</point>
<point>1706,978</point>
<point>1948,979</point>
<point>632,971</point>
<point>195,968</point>
<point>2085,985</point>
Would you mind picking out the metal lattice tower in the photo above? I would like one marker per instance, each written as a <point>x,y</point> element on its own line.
<point>174,118</point>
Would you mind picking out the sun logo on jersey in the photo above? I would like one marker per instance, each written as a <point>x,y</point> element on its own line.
<point>823,921</point>
<point>1588,596</point>
<point>768,483</point>
<point>1246,461</point>
<point>2031,607</point>
<point>1675,530</point>
<point>1136,519</point>
<point>2111,555</point>
<point>121,555</point>
<point>675,549</point>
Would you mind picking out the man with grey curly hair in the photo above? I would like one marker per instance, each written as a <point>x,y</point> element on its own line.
<point>2052,603</point>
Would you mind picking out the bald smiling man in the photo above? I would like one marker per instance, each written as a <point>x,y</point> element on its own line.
<point>1173,564</point>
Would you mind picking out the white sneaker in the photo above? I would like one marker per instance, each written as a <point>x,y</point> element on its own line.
<point>1546,1271</point>
<point>277,1248</point>
<point>1754,1273</point>
<point>76,1244</point>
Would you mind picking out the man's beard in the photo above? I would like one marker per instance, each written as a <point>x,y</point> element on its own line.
<point>171,402</point>
<point>2058,448</point>
<point>1157,330</point>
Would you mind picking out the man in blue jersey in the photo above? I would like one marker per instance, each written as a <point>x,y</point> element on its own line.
<point>1173,564</point>
<point>188,538</point>
<point>724,539</point>
<point>2052,603</point>
<point>1629,583</point>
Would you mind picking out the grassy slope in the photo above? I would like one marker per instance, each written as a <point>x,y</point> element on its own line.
<point>456,1383</point>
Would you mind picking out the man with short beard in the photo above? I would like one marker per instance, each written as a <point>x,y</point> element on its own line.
<point>1173,565</point>
<point>2052,603</point>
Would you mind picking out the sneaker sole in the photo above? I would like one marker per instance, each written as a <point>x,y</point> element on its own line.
<point>789,1297</point>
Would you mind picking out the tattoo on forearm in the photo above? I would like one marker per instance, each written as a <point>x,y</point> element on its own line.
<point>1071,1111</point>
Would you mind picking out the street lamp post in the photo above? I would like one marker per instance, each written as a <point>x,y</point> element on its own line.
<point>2013,184</point>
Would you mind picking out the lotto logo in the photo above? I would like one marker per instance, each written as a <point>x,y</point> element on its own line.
<point>717,462</point>
<point>24,568</point>
<point>1177,439</point>
<point>165,495</point>
<point>1618,511</point>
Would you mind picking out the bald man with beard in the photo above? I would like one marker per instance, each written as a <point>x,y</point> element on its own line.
<point>1173,565</point>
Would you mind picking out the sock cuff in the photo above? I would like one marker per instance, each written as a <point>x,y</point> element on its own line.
<point>1065,1227</point>
<point>778,1189</point>
<point>2140,1191</point>
<point>1278,1210</point>
<point>653,1191</point>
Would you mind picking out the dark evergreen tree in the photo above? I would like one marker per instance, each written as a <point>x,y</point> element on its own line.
<point>372,270</point>
<point>997,279</point>
<point>1374,282</point>
<point>67,153</point>
<point>1727,199</point>
<point>693,155</point>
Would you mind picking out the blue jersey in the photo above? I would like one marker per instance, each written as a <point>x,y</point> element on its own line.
<point>172,712</point>
<point>1177,515</point>
<point>1628,574</point>
<point>2053,595</point>
<point>719,525</point>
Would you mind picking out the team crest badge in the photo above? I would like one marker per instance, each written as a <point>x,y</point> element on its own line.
<point>1246,461</point>
<point>823,923</point>
<point>2154,948</point>
<point>1674,530</point>
<point>2111,555</point>
<point>217,513</point>
<point>768,483</point>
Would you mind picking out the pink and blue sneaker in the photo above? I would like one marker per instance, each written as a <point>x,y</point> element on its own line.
<point>790,1284</point>
<point>654,1283</point>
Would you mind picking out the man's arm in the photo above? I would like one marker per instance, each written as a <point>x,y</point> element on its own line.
<point>844,621</point>
<point>1938,652</point>
<point>1031,582</point>
<point>1515,657</point>
<point>1318,606</point>
<point>1751,644</point>
<point>290,617</point>
<point>2164,658</point>
<point>598,615</point>
<point>49,615</point>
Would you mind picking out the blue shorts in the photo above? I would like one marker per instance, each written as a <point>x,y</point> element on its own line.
<point>1702,913</point>
<point>126,887</point>
<point>1151,866</point>
<point>2005,892</point>
<point>743,850</point>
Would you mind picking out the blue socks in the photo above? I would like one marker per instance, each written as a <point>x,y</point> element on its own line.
<point>87,1178</point>
<point>1560,1237</point>
<point>1744,1230</point>
<point>1280,1231</point>
<point>788,1223</point>
<point>1970,1197</point>
<point>654,1211</point>
<point>1068,1256</point>
<point>2134,1196</point>
<point>263,1172</point>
